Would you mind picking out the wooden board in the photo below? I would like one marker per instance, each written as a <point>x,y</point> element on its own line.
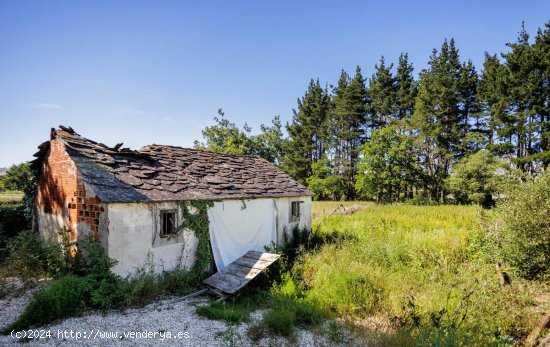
<point>243,270</point>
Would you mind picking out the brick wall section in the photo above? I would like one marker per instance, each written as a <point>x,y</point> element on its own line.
<point>62,193</point>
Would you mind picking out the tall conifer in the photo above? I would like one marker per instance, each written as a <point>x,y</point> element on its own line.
<point>308,132</point>
<point>349,118</point>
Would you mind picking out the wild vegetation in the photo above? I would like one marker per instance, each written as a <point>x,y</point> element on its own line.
<point>424,268</point>
<point>82,282</point>
<point>442,275</point>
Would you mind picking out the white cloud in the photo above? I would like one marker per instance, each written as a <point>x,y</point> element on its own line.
<point>45,105</point>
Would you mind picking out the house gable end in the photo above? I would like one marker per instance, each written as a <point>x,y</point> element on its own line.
<point>64,201</point>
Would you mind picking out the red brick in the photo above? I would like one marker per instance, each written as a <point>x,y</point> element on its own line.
<point>60,186</point>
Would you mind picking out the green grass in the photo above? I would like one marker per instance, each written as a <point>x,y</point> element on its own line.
<point>10,200</point>
<point>279,321</point>
<point>11,197</point>
<point>11,192</point>
<point>285,313</point>
<point>415,266</point>
<point>231,311</point>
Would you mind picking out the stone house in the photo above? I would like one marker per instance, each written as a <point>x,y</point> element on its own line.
<point>129,199</point>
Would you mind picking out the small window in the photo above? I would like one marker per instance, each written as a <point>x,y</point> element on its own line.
<point>295,211</point>
<point>168,223</point>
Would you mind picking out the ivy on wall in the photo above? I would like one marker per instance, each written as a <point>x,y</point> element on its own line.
<point>198,223</point>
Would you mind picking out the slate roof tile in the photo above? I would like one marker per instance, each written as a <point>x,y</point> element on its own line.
<point>169,173</point>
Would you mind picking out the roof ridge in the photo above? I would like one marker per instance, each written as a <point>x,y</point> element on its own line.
<point>203,150</point>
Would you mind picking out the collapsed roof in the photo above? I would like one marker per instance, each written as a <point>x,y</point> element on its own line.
<point>169,173</point>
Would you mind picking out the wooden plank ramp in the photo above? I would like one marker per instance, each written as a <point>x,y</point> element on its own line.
<point>240,272</point>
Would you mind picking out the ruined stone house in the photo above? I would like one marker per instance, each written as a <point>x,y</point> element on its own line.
<point>128,199</point>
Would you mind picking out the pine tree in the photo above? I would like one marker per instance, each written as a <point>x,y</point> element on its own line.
<point>406,86</point>
<point>542,51</point>
<point>523,90</point>
<point>491,92</point>
<point>348,123</point>
<point>382,97</point>
<point>407,89</point>
<point>308,132</point>
<point>440,117</point>
<point>515,91</point>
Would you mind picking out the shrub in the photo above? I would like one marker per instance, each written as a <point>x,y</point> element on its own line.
<point>335,332</point>
<point>478,177</point>
<point>62,298</point>
<point>279,320</point>
<point>178,282</point>
<point>143,289</point>
<point>26,256</point>
<point>285,313</point>
<point>526,216</point>
<point>13,220</point>
<point>306,314</point>
<point>96,287</point>
<point>109,293</point>
<point>87,278</point>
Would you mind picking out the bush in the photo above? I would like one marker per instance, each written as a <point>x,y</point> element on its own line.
<point>62,298</point>
<point>279,320</point>
<point>109,293</point>
<point>90,285</point>
<point>143,288</point>
<point>25,256</point>
<point>85,279</point>
<point>479,177</point>
<point>178,282</point>
<point>305,314</point>
<point>285,313</point>
<point>526,216</point>
<point>13,220</point>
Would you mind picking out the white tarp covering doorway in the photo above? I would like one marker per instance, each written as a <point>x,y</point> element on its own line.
<point>237,227</point>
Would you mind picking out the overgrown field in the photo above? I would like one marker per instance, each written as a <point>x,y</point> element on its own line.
<point>418,275</point>
<point>421,267</point>
<point>10,197</point>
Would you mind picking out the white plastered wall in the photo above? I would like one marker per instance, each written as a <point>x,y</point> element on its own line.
<point>49,224</point>
<point>134,242</point>
<point>134,227</point>
<point>284,225</point>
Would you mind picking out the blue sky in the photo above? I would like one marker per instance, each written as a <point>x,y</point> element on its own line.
<point>143,72</point>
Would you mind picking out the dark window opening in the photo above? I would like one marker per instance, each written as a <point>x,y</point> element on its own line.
<point>168,223</point>
<point>295,211</point>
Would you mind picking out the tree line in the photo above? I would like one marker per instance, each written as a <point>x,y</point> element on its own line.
<point>393,137</point>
